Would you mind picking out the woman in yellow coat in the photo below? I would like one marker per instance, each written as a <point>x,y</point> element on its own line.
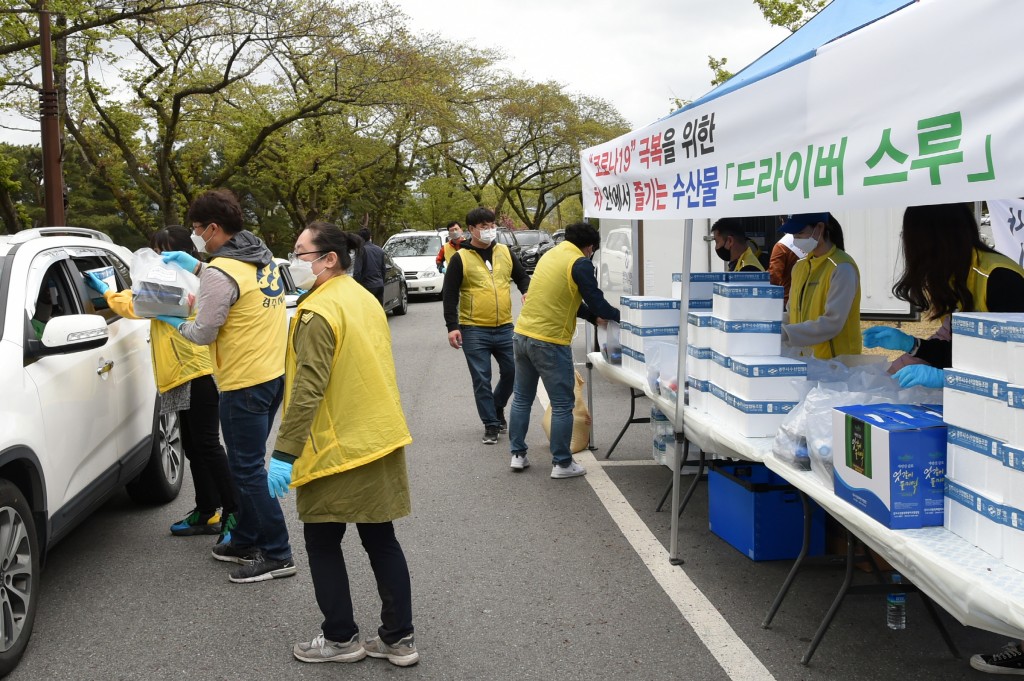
<point>341,445</point>
<point>184,379</point>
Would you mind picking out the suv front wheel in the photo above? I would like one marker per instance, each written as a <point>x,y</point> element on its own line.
<point>19,575</point>
<point>160,481</point>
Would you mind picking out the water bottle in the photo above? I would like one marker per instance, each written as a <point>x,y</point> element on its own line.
<point>896,607</point>
<point>802,459</point>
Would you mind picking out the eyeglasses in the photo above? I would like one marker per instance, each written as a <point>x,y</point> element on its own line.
<point>295,256</point>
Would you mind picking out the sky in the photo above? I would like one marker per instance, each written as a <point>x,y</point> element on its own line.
<point>636,54</point>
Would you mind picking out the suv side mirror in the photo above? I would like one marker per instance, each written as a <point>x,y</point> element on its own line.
<point>70,333</point>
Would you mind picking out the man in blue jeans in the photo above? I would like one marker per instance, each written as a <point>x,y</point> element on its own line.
<point>478,314</point>
<point>240,314</point>
<point>564,287</point>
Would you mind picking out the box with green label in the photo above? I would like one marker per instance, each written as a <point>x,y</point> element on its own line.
<point>890,462</point>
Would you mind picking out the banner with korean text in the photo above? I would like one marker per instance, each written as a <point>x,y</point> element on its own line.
<point>923,106</point>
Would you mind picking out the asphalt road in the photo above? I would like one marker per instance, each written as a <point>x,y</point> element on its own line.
<point>514,575</point>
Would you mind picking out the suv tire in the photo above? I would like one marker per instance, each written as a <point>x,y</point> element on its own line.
<point>160,481</point>
<point>19,575</point>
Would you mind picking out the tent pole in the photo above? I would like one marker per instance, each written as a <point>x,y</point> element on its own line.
<point>677,417</point>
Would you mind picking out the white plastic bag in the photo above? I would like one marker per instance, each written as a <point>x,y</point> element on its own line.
<point>160,288</point>
<point>611,349</point>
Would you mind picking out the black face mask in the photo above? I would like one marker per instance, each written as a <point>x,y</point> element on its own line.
<point>724,253</point>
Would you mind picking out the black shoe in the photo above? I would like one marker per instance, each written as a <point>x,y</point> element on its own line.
<point>197,522</point>
<point>262,569</point>
<point>490,435</point>
<point>1009,660</point>
<point>228,522</point>
<point>502,423</point>
<point>229,553</point>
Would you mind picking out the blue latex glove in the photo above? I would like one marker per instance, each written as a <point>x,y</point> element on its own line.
<point>173,321</point>
<point>888,338</point>
<point>279,476</point>
<point>919,374</point>
<point>95,283</point>
<point>182,260</point>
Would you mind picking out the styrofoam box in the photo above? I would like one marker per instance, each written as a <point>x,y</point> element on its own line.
<point>698,329</point>
<point>745,337</point>
<point>717,406</point>
<point>977,403</point>
<point>651,310</point>
<point>770,378</point>
<point>699,305</point>
<point>633,362</point>
<point>1015,362</point>
<point>1013,539</point>
<point>978,344</point>
<point>755,418</point>
<point>640,338</point>
<point>1015,401</point>
<point>701,284</point>
<point>697,391</point>
<point>753,302</point>
<point>1012,457</point>
<point>747,277</point>
<point>975,517</point>
<point>719,370</point>
<point>975,461</point>
<point>698,363</point>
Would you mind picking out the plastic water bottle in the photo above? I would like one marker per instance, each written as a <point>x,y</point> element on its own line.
<point>803,460</point>
<point>896,607</point>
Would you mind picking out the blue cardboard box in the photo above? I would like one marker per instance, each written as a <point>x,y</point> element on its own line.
<point>759,514</point>
<point>890,462</point>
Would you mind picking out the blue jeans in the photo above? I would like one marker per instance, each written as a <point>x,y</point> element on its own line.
<point>479,344</point>
<point>246,417</point>
<point>551,363</point>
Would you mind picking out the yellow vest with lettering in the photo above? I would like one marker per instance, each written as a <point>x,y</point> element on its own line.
<point>250,347</point>
<point>485,297</point>
<point>176,360</point>
<point>360,418</point>
<point>982,265</point>
<point>812,277</point>
<point>549,313</point>
<point>748,258</point>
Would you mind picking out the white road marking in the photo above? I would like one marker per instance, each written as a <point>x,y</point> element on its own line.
<point>738,661</point>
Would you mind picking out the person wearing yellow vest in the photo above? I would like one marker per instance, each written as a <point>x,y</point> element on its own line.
<point>732,246</point>
<point>240,314</point>
<point>947,269</point>
<point>184,379</point>
<point>449,247</point>
<point>823,315</point>
<point>341,445</point>
<point>478,314</point>
<point>564,287</point>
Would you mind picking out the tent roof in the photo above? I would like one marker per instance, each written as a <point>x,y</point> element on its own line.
<point>837,19</point>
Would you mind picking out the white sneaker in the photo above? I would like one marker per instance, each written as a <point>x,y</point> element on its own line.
<point>520,463</point>
<point>573,470</point>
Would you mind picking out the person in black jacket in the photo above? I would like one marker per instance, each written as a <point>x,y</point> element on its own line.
<point>369,266</point>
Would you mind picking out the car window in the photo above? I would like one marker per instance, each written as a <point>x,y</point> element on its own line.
<point>505,237</point>
<point>53,297</point>
<point>529,237</point>
<point>90,301</point>
<point>410,246</point>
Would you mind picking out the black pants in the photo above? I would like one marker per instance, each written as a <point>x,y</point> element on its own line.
<point>200,438</point>
<point>330,579</point>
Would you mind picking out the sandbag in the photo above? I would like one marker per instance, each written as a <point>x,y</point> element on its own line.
<point>580,420</point>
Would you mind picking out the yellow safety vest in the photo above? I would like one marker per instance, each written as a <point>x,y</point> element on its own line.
<point>982,265</point>
<point>176,360</point>
<point>549,313</point>
<point>485,297</point>
<point>449,251</point>
<point>812,277</point>
<point>249,349</point>
<point>748,258</point>
<point>360,418</point>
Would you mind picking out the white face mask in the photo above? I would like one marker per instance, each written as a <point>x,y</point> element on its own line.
<point>198,241</point>
<point>302,272</point>
<point>488,235</point>
<point>806,245</point>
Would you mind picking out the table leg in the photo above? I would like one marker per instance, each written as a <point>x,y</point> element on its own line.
<point>804,548</point>
<point>633,394</point>
<point>938,623</point>
<point>668,490</point>
<point>825,623</point>
<point>696,480</point>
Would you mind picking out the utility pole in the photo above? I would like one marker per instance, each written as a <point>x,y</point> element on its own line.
<point>49,109</point>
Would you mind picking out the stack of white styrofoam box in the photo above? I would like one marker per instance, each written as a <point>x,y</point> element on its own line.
<point>746,337</point>
<point>1013,532</point>
<point>719,369</point>
<point>978,344</point>
<point>698,363</point>
<point>718,402</point>
<point>975,402</point>
<point>750,418</point>
<point>698,329</point>
<point>641,337</point>
<point>633,362</point>
<point>978,519</point>
<point>976,462</point>
<point>766,379</point>
<point>698,392</point>
<point>1015,400</point>
<point>747,301</point>
<point>701,288</point>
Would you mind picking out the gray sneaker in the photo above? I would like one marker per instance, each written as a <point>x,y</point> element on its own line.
<point>403,653</point>
<point>520,462</point>
<point>321,649</point>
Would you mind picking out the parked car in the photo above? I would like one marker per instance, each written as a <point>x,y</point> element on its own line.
<point>79,413</point>
<point>532,244</point>
<point>396,296</point>
<point>415,252</point>
<point>614,260</point>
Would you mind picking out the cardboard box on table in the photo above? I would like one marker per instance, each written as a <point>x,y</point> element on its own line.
<point>890,462</point>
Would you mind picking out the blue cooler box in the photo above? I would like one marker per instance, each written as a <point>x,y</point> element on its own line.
<point>759,513</point>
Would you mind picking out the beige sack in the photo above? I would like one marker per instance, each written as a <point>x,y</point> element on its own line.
<point>580,420</point>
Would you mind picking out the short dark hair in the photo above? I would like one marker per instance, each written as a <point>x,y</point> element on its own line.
<point>479,216</point>
<point>329,238</point>
<point>364,234</point>
<point>220,206</point>
<point>453,223</point>
<point>173,238</point>
<point>582,235</point>
<point>730,227</point>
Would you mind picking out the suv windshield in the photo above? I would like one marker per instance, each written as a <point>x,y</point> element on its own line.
<point>406,246</point>
<point>530,237</point>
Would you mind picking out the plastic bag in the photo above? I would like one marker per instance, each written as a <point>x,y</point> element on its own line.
<point>580,420</point>
<point>611,349</point>
<point>160,288</point>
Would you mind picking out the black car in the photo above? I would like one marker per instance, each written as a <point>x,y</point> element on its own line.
<point>530,244</point>
<point>396,296</point>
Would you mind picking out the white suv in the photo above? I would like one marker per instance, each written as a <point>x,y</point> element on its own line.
<point>79,412</point>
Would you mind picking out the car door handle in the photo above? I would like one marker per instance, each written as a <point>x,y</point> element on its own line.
<point>105,368</point>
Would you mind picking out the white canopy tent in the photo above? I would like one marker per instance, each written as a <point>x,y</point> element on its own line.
<point>907,107</point>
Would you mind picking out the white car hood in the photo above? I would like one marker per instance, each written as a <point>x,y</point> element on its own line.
<point>416,263</point>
